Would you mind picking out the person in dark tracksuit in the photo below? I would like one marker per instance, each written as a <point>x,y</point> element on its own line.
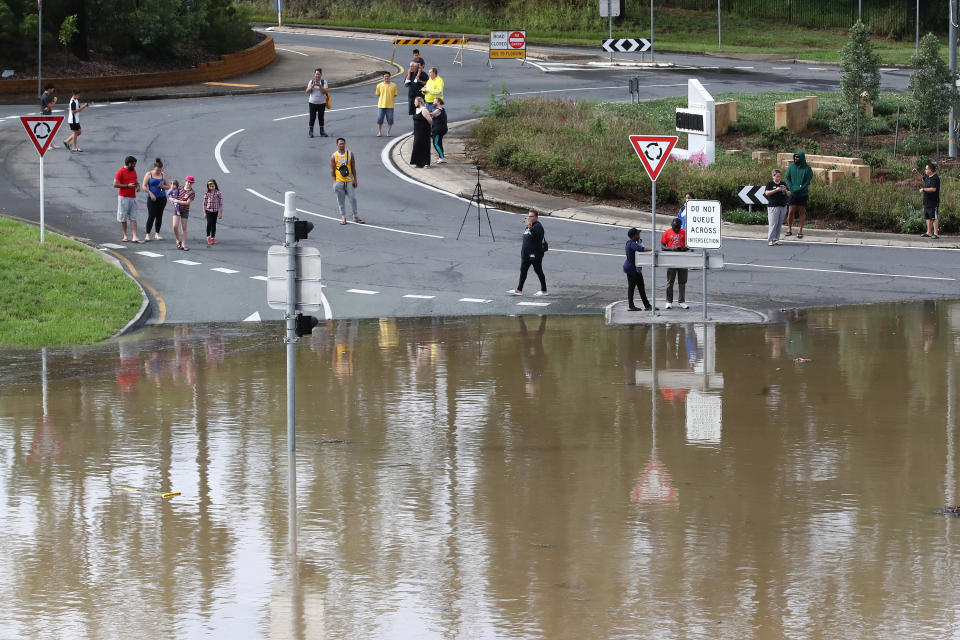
<point>531,254</point>
<point>634,275</point>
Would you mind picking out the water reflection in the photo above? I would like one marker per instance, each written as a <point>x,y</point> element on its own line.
<point>527,477</point>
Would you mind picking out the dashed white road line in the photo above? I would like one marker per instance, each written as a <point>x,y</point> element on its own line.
<point>216,151</point>
<point>302,115</point>
<point>780,68</point>
<point>419,297</point>
<point>480,300</point>
<point>816,68</point>
<point>150,254</point>
<point>253,317</point>
<point>264,278</point>
<point>110,245</point>
<point>224,270</point>
<point>364,292</point>
<point>533,304</point>
<point>189,263</point>
<point>743,67</point>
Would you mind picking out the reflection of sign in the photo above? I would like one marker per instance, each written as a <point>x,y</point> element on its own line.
<point>46,443</point>
<point>508,44</point>
<point>41,130</point>
<point>703,224</point>
<point>655,485</point>
<point>704,418</point>
<point>653,152</point>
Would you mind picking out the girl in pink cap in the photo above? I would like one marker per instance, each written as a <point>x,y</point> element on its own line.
<point>183,200</point>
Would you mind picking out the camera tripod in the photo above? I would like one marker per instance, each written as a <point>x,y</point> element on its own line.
<point>478,198</point>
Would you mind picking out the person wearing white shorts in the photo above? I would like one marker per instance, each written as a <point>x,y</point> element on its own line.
<point>126,181</point>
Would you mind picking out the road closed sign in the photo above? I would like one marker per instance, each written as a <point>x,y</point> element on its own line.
<point>703,224</point>
<point>508,44</point>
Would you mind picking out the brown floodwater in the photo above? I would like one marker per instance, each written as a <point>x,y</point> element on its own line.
<point>516,478</point>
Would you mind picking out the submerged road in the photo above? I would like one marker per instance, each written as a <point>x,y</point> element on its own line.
<point>406,260</point>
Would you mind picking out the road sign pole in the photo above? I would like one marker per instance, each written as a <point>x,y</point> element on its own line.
<point>652,58</point>
<point>610,21</point>
<point>705,285</point>
<point>653,247</point>
<point>289,218</point>
<point>42,222</point>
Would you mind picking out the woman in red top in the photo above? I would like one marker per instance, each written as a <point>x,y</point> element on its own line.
<point>675,239</point>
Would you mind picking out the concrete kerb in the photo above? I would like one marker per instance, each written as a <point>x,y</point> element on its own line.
<point>616,313</point>
<point>458,176</point>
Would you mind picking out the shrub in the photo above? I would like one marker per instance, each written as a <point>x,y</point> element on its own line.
<point>742,216</point>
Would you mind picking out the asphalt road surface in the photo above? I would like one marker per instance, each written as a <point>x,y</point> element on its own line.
<point>406,260</point>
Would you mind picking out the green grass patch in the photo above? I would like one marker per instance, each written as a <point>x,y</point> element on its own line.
<point>580,23</point>
<point>60,292</point>
<point>582,148</point>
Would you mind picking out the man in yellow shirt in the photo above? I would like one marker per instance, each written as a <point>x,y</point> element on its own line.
<point>387,92</point>
<point>433,89</point>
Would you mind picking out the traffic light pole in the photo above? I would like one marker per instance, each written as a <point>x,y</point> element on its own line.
<point>289,218</point>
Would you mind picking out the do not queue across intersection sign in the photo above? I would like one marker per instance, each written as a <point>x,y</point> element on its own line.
<point>703,224</point>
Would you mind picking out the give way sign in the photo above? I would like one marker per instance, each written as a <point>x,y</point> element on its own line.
<point>653,152</point>
<point>41,130</point>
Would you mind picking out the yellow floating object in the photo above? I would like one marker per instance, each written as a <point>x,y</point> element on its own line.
<point>172,494</point>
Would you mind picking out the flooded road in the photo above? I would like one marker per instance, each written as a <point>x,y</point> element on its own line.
<point>514,478</point>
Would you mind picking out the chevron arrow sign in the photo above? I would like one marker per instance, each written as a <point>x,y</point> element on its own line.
<point>625,45</point>
<point>749,194</point>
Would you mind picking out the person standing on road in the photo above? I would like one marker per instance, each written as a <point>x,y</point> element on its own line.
<point>682,211</point>
<point>531,254</point>
<point>185,196</point>
<point>931,200</point>
<point>343,170</point>
<point>47,100</point>
<point>73,119</point>
<point>422,121</point>
<point>212,210</point>
<point>126,181</point>
<point>776,194</point>
<point>433,89</point>
<point>799,177</point>
<point>439,128</point>
<point>416,78</point>
<point>634,275</point>
<point>317,102</point>
<point>155,185</point>
<point>386,96</point>
<point>675,239</point>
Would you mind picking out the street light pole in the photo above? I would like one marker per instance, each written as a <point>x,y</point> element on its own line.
<point>39,49</point>
<point>719,31</point>
<point>952,133</point>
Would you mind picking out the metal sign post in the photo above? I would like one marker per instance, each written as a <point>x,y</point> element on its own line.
<point>653,152</point>
<point>41,130</point>
<point>289,241</point>
<point>704,232</point>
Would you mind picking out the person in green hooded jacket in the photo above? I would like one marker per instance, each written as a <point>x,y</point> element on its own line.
<point>799,176</point>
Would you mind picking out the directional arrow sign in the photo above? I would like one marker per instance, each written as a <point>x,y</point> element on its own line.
<point>626,45</point>
<point>750,194</point>
<point>653,152</point>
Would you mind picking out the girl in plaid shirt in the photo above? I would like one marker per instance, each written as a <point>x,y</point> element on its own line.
<point>212,210</point>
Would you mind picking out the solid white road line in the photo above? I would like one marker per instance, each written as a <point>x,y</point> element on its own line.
<point>299,53</point>
<point>363,292</point>
<point>526,93</point>
<point>216,151</point>
<point>840,271</point>
<point>371,226</point>
<point>301,115</point>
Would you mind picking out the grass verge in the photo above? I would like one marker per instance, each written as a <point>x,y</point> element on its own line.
<point>520,137</point>
<point>674,29</point>
<point>58,293</point>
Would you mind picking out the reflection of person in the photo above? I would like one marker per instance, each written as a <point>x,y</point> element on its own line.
<point>422,121</point>
<point>799,176</point>
<point>531,254</point>
<point>154,184</point>
<point>931,200</point>
<point>675,239</point>
<point>317,102</point>
<point>126,181</point>
<point>439,128</point>
<point>343,170</point>
<point>73,119</point>
<point>634,275</point>
<point>533,356</point>
<point>776,194</point>
<point>386,96</point>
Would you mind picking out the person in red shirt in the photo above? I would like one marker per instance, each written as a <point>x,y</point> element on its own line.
<point>675,239</point>
<point>126,181</point>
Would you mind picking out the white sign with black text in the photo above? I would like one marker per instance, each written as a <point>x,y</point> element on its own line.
<point>703,224</point>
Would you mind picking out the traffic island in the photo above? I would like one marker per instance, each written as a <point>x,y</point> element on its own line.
<point>617,314</point>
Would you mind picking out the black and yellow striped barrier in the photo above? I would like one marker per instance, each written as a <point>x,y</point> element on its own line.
<point>456,42</point>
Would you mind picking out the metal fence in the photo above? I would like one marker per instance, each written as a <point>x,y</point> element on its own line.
<point>891,18</point>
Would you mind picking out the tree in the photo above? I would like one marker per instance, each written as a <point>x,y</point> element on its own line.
<point>932,87</point>
<point>859,75</point>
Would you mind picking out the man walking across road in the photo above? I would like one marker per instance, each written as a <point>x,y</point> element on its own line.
<point>776,194</point>
<point>317,102</point>
<point>675,239</point>
<point>433,89</point>
<point>931,200</point>
<point>343,170</point>
<point>531,254</point>
<point>799,176</point>
<point>73,119</point>
<point>126,181</point>
<point>386,95</point>
<point>47,100</point>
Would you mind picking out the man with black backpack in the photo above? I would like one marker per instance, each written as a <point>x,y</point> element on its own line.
<point>531,253</point>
